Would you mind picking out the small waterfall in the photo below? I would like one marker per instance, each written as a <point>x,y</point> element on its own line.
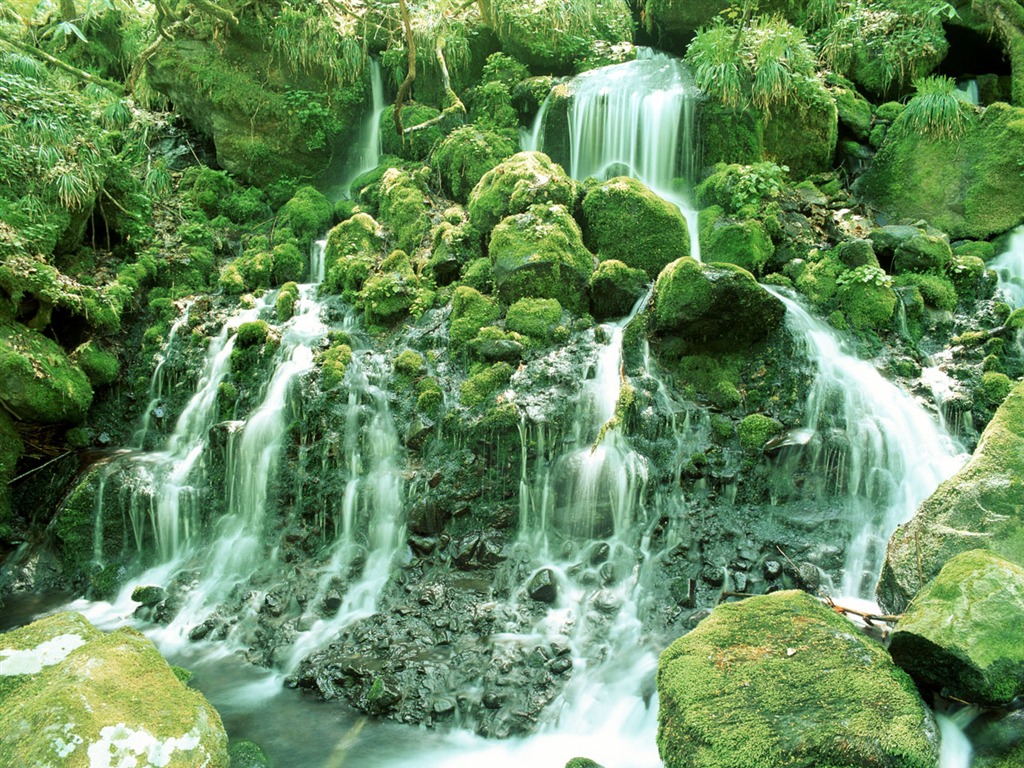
<point>1009,266</point>
<point>635,119</point>
<point>876,447</point>
<point>955,750</point>
<point>158,382</point>
<point>367,154</point>
<point>969,91</point>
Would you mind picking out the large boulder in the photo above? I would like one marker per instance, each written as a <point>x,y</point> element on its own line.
<point>717,307</point>
<point>75,696</point>
<point>783,680</point>
<point>353,248</point>
<point>465,155</point>
<point>540,253</point>
<point>39,383</point>
<point>626,221</point>
<point>970,187</point>
<point>403,208</point>
<point>963,630</point>
<point>267,119</point>
<point>512,186</point>
<point>982,505</point>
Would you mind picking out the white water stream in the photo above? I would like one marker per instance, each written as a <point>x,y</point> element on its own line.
<point>1009,266</point>
<point>367,154</point>
<point>635,119</point>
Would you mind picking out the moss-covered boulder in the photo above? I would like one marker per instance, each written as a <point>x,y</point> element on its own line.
<point>100,365</point>
<point>534,318</point>
<point>969,187</point>
<point>626,221</point>
<point>11,447</point>
<point>963,630</point>
<point>680,20</point>
<point>540,253</point>
<point>471,311</point>
<point>308,214</point>
<point>39,382</point>
<point>269,116</point>
<point>982,505</point>
<point>391,290</point>
<point>615,288</point>
<point>784,680</point>
<point>712,307</point>
<point>525,179</point>
<point>465,155</point>
<point>413,146</point>
<point>353,247</point>
<point>866,297</point>
<point>922,253</point>
<point>75,696</point>
<point>403,208</point>
<point>455,244</point>
<point>743,243</point>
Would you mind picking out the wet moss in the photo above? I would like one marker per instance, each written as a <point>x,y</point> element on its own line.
<point>744,243</point>
<point>523,180</point>
<point>936,291</point>
<point>484,383</point>
<point>333,365</point>
<point>465,155</point>
<point>392,291</point>
<point>308,214</point>
<point>471,311</point>
<point>403,209</point>
<point>536,318</point>
<point>353,248</point>
<point>412,146</point>
<point>615,288</point>
<point>11,447</point>
<point>99,364</point>
<point>39,382</point>
<point>286,300</point>
<point>757,429</point>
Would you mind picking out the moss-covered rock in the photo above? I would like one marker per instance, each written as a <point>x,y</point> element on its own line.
<point>962,631</point>
<point>626,221</point>
<point>39,382</point>
<point>403,209</point>
<point>287,298</point>
<point>76,696</point>
<point>100,365</point>
<point>615,288</point>
<point>866,297</point>
<point>334,363</point>
<point>713,306</point>
<point>268,118</point>
<point>970,187</point>
<point>484,383</point>
<point>455,244</point>
<point>308,214</point>
<point>540,253</point>
<point>922,253</point>
<point>11,448</point>
<point>854,111</point>
<point>982,505</point>
<point>784,680</point>
<point>413,146</point>
<point>743,243</point>
<point>465,155</point>
<point>391,290</point>
<point>936,291</point>
<point>757,429</point>
<point>536,318</point>
<point>248,754</point>
<point>471,311</point>
<point>680,20</point>
<point>353,247</point>
<point>857,253</point>
<point>525,179</point>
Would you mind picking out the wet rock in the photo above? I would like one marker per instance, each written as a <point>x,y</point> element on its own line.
<point>444,706</point>
<point>543,586</point>
<point>477,550</point>
<point>560,665</point>
<point>800,687</point>
<point>962,631</point>
<point>772,569</point>
<point>149,596</point>
<point>203,630</point>
<point>712,575</point>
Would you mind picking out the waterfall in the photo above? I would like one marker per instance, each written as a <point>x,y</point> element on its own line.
<point>635,119</point>
<point>874,446</point>
<point>1009,266</point>
<point>956,750</point>
<point>367,147</point>
<point>969,91</point>
<point>158,382</point>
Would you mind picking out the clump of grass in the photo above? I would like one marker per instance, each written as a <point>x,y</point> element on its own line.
<point>938,109</point>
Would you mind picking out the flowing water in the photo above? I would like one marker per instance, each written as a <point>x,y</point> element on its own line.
<point>367,147</point>
<point>635,119</point>
<point>872,445</point>
<point>1009,266</point>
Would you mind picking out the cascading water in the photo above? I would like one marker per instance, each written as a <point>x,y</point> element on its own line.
<point>367,155</point>
<point>874,446</point>
<point>158,383</point>
<point>1009,266</point>
<point>636,119</point>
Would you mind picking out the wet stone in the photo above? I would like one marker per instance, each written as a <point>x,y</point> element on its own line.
<point>712,575</point>
<point>560,665</point>
<point>772,569</point>
<point>542,586</point>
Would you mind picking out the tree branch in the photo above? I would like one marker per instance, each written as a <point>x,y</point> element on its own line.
<point>80,74</point>
<point>410,75</point>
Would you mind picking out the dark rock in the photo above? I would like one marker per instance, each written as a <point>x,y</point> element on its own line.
<point>149,596</point>
<point>543,586</point>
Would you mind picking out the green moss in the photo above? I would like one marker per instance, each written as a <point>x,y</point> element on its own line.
<point>936,291</point>
<point>409,363</point>
<point>968,188</point>
<point>966,272</point>
<point>783,680</point>
<point>922,253</point>
<point>471,311</point>
<point>465,155</point>
<point>227,397</point>
<point>403,209</point>
<point>288,264</point>
<point>11,447</point>
<point>536,318</point>
<point>479,274</point>
<point>744,243</point>
<point>286,300</point>
<point>456,243</point>
<point>391,291</point>
<point>517,183</point>
<point>819,279</point>
<point>430,398</point>
<point>251,334</point>
<point>39,382</point>
<point>978,249</point>
<point>333,365</point>
<point>1016,319</point>
<point>993,389</point>
<point>412,146</point>
<point>715,379</point>
<point>483,384</point>
<point>625,221</point>
<point>540,253</point>
<point>867,305</point>
<point>248,754</point>
<point>757,429</point>
<point>100,365</point>
<point>353,247</point>
<point>615,288</point>
<point>308,214</point>
<point>890,110</point>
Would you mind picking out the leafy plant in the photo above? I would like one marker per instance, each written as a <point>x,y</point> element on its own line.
<point>938,109</point>
<point>867,274</point>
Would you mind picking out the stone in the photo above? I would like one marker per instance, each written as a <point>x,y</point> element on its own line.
<point>963,630</point>
<point>512,186</point>
<point>75,696</point>
<point>149,595</point>
<point>542,586</point>
<point>784,680</point>
<point>922,253</point>
<point>39,382</point>
<point>615,288</point>
<point>981,506</point>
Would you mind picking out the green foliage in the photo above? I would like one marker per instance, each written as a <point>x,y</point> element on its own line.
<point>525,179</point>
<point>938,109</point>
<point>39,383</point>
<point>993,389</point>
<point>312,41</point>
<point>755,430</point>
<point>867,274</point>
<point>743,188</point>
<point>764,63</point>
<point>937,291</point>
<point>100,365</point>
<point>502,68</point>
<point>409,363</point>
<point>483,384</point>
<point>286,300</point>
<point>333,365</point>
<point>251,333</point>
<point>471,311</point>
<point>536,318</point>
<point>308,214</point>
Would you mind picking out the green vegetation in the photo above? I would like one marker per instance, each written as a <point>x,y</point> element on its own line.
<point>353,247</point>
<point>536,318</point>
<point>483,383</point>
<point>403,209</point>
<point>286,300</point>
<point>465,155</point>
<point>333,365</point>
<point>511,187</point>
<point>471,311</point>
<point>40,383</point>
<point>938,109</point>
<point>757,429</point>
<point>615,288</point>
<point>308,214</point>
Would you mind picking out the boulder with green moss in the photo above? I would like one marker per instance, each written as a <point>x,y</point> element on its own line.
<point>39,382</point>
<point>412,146</point>
<point>75,696</point>
<point>11,448</point>
<point>757,429</point>
<point>540,253</point>
<point>922,253</point>
<point>982,505</point>
<point>743,243</point>
<point>615,288</point>
<point>353,247</point>
<point>269,116</point>
<point>100,365</point>
<point>969,187</point>
<point>784,680</point>
<point>680,20</point>
<point>866,297</point>
<point>308,214</point>
<point>465,155</point>
<point>391,290</point>
<point>962,631</point>
<point>712,307</point>
<point>403,209</point>
<point>536,318</point>
<point>471,311</point>
<point>455,244</point>
<point>626,221</point>
<point>511,187</point>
